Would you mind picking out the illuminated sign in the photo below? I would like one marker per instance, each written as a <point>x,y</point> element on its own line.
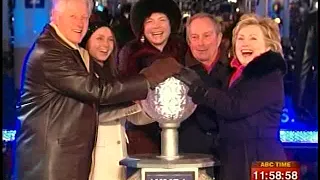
<point>34,3</point>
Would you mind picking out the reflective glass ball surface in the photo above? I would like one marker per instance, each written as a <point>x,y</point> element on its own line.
<point>169,102</point>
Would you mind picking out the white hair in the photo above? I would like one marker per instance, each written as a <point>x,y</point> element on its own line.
<point>60,5</point>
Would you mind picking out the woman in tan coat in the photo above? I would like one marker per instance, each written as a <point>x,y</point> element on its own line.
<point>111,138</point>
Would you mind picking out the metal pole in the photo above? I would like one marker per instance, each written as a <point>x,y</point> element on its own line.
<point>249,6</point>
<point>180,5</point>
<point>286,19</point>
<point>169,141</point>
<point>266,10</point>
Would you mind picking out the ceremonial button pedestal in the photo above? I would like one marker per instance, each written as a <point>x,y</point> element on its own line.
<point>186,167</point>
<point>169,104</point>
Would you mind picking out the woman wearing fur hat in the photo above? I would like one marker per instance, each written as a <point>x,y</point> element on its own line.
<point>155,24</point>
<point>250,105</point>
<point>111,138</point>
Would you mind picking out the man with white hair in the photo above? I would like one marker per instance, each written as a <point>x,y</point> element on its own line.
<point>57,114</point>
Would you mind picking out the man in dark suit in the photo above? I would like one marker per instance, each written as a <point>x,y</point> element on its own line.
<point>306,70</point>
<point>199,133</point>
<point>205,56</point>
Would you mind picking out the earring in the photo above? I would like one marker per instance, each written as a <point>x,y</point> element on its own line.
<point>142,39</point>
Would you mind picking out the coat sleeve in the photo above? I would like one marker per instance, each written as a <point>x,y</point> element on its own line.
<point>123,60</point>
<point>111,114</point>
<point>65,77</point>
<point>141,118</point>
<point>133,113</point>
<point>249,100</point>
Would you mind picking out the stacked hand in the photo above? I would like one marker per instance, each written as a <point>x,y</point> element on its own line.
<point>197,89</point>
<point>160,70</point>
<point>188,76</point>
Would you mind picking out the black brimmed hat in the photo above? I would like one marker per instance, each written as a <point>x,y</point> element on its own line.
<point>144,8</point>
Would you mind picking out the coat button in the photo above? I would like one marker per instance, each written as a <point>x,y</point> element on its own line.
<point>118,142</point>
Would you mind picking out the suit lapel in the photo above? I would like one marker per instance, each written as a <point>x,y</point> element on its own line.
<point>223,72</point>
<point>79,59</point>
<point>237,81</point>
<point>209,79</point>
<point>75,52</point>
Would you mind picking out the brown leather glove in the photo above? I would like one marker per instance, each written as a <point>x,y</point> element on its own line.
<point>160,70</point>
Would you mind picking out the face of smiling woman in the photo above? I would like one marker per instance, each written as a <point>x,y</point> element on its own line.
<point>157,30</point>
<point>101,44</point>
<point>250,43</point>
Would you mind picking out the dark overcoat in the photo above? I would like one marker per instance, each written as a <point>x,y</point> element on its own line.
<point>249,116</point>
<point>199,132</point>
<point>57,111</point>
<point>133,57</point>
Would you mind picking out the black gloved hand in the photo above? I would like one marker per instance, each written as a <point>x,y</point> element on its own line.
<point>188,76</point>
<point>198,92</point>
<point>160,70</point>
<point>197,88</point>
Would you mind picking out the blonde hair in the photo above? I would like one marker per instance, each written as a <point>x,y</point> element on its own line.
<point>213,19</point>
<point>269,28</point>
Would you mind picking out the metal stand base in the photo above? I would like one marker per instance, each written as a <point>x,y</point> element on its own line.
<point>150,166</point>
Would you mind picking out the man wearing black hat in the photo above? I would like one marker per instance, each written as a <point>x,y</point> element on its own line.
<point>155,24</point>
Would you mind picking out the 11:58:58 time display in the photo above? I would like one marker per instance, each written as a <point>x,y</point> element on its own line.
<point>275,175</point>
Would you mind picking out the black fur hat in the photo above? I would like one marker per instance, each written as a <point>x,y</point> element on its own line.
<point>144,8</point>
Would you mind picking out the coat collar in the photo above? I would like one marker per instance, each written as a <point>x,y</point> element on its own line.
<point>51,30</point>
<point>81,54</point>
<point>58,32</point>
<point>264,64</point>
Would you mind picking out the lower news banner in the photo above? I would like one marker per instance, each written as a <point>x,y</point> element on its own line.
<point>275,170</point>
